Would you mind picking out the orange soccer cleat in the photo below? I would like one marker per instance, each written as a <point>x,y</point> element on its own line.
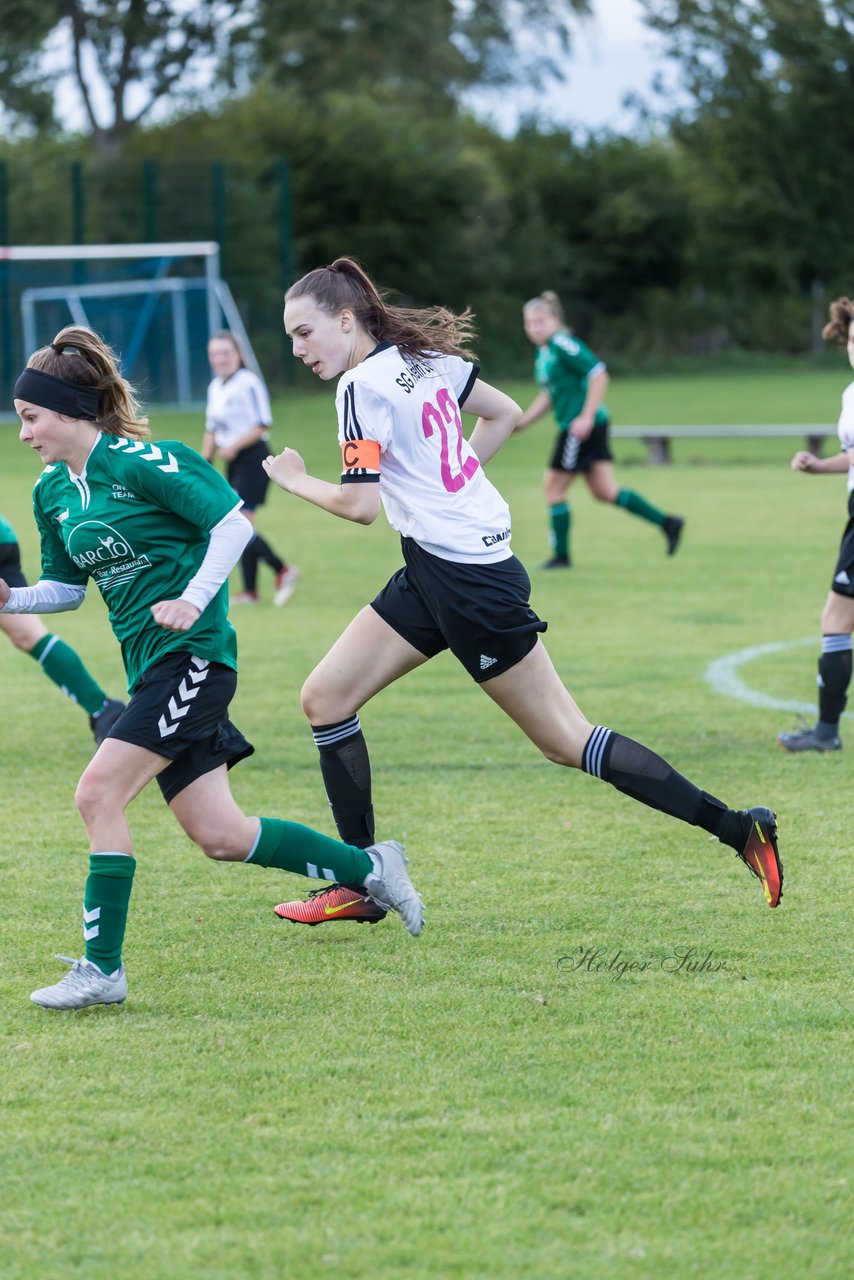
<point>761,855</point>
<point>336,902</point>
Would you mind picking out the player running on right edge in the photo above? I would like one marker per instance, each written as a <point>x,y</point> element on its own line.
<point>837,619</point>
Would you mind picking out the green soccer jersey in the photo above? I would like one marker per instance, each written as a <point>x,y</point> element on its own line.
<point>7,533</point>
<point>137,521</point>
<point>562,367</point>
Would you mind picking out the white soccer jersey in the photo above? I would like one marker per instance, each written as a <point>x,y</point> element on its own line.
<point>845,427</point>
<point>235,405</point>
<point>399,424</point>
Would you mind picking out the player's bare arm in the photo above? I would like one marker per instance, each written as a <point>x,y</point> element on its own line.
<point>5,592</point>
<point>208,449</point>
<point>808,462</point>
<point>357,502</point>
<point>597,385</point>
<point>497,417</point>
<point>541,404</point>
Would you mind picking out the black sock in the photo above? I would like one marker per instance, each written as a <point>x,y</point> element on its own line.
<point>249,564</point>
<point>346,770</point>
<point>638,772</point>
<point>266,553</point>
<point>834,677</point>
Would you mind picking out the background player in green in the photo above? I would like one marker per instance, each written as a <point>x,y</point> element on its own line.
<point>574,382</point>
<point>158,530</point>
<point>57,659</point>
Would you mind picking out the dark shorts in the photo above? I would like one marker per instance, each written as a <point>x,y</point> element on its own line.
<point>573,455</point>
<point>480,612</point>
<point>843,574</point>
<point>10,564</point>
<point>247,477</point>
<point>179,709</point>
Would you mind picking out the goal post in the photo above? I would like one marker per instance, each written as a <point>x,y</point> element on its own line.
<point>156,304</point>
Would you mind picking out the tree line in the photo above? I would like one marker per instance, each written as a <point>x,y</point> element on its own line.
<point>296,134</point>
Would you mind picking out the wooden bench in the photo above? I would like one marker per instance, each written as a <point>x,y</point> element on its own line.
<point>657,439</point>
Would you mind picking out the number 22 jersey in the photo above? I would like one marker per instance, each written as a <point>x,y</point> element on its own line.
<point>137,522</point>
<point>399,425</point>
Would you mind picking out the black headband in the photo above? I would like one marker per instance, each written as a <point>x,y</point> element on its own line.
<point>49,392</point>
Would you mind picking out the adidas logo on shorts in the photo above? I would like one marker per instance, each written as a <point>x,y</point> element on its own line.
<point>486,662</point>
<point>842,578</point>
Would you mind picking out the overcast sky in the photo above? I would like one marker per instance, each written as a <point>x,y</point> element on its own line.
<point>614,54</point>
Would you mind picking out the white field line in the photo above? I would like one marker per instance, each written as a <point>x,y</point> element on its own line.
<point>724,676</point>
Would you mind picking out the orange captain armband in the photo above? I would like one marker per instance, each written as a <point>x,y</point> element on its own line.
<point>360,455</point>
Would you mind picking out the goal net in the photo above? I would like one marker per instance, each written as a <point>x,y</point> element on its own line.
<point>155,304</point>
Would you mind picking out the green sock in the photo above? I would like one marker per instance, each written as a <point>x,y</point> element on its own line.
<point>59,661</point>
<point>560,518</point>
<point>105,907</point>
<point>292,847</point>
<point>638,506</point>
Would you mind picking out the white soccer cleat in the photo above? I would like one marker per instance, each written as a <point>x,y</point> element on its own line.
<point>84,985</point>
<point>389,884</point>
<point>286,581</point>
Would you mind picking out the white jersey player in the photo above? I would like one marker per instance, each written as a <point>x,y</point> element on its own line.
<point>433,488</point>
<point>406,377</point>
<point>837,619</point>
<point>238,406</point>
<point>237,428</point>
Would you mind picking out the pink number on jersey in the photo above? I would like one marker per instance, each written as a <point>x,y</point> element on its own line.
<point>443,413</point>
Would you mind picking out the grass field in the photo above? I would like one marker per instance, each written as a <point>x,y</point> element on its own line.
<point>352,1102</point>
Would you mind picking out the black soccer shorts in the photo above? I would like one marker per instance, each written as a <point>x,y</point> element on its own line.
<point>247,477</point>
<point>10,565</point>
<point>843,574</point>
<point>481,612</point>
<point>574,455</point>
<point>179,709</point>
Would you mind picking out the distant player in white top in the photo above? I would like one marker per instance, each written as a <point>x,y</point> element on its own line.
<point>406,377</point>
<point>837,619</point>
<point>237,427</point>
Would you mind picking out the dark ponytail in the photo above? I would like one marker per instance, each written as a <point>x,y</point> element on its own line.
<point>841,315</point>
<point>344,284</point>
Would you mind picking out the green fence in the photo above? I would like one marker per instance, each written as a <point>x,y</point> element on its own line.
<point>245,209</point>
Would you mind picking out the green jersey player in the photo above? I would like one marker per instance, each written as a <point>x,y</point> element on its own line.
<point>157,530</point>
<point>574,382</point>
